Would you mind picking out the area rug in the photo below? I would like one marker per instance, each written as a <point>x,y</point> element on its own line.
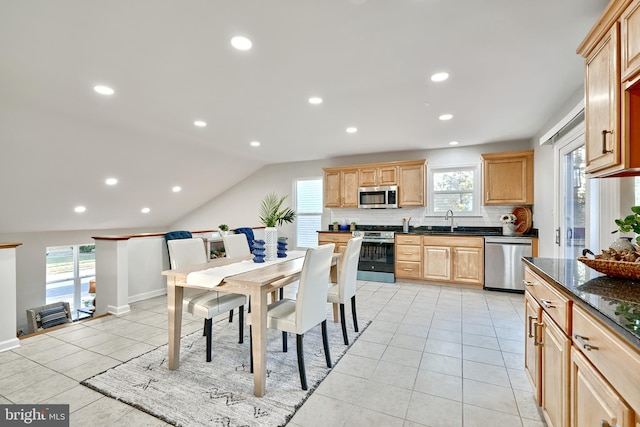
<point>221,392</point>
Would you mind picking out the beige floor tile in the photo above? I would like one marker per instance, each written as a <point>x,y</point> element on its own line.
<point>513,360</point>
<point>527,405</point>
<point>138,419</point>
<point>511,346</point>
<point>408,341</point>
<point>395,374</point>
<point>412,424</point>
<point>114,345</point>
<point>42,390</point>
<point>15,366</point>
<point>132,351</point>
<point>77,397</point>
<point>487,331</point>
<point>15,382</point>
<point>416,331</point>
<point>383,325</point>
<point>402,356</point>
<point>470,319</point>
<point>443,348</point>
<point>95,366</point>
<point>489,396</point>
<point>367,349</point>
<point>419,320</point>
<point>519,380</point>
<point>363,417</point>
<point>376,395</point>
<point>483,355</point>
<point>485,373</point>
<point>344,387</point>
<point>441,385</point>
<point>475,416</point>
<point>448,325</point>
<point>8,356</point>
<point>481,341</point>
<point>434,411</point>
<point>377,336</point>
<point>445,335</point>
<point>532,423</point>
<point>356,365</point>
<point>102,412</point>
<point>64,364</point>
<point>334,412</point>
<point>443,364</point>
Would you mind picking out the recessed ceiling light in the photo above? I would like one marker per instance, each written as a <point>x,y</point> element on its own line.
<point>176,189</point>
<point>255,143</point>
<point>103,90</point>
<point>439,77</point>
<point>352,129</point>
<point>427,104</point>
<point>79,209</point>
<point>241,43</point>
<point>315,100</point>
<point>454,143</point>
<point>446,117</point>
<point>145,210</point>
<point>200,123</point>
<point>111,181</point>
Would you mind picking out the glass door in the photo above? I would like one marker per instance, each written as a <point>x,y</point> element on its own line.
<point>570,235</point>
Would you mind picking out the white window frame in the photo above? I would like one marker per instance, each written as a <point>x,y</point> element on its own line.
<point>475,194</point>
<point>77,279</point>
<point>299,241</point>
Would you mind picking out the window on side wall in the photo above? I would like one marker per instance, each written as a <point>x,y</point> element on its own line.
<point>454,188</point>
<point>308,211</point>
<point>69,270</point>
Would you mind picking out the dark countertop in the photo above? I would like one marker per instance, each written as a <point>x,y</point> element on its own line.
<point>601,295</point>
<point>438,230</point>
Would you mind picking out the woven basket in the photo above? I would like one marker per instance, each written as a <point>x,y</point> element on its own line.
<point>625,269</point>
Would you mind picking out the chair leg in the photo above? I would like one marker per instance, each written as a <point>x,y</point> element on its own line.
<point>241,324</point>
<point>343,321</point>
<point>325,342</point>
<point>303,374</point>
<point>281,293</point>
<point>251,349</point>
<point>230,316</point>
<point>204,328</point>
<point>353,313</point>
<point>209,323</point>
<point>284,342</point>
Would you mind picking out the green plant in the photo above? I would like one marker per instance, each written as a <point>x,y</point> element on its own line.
<point>271,212</point>
<point>223,227</point>
<point>335,223</point>
<point>630,223</point>
<point>353,223</point>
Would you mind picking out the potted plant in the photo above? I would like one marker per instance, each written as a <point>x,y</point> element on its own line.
<point>272,213</point>
<point>223,229</point>
<point>630,223</point>
<point>353,226</point>
<point>336,225</point>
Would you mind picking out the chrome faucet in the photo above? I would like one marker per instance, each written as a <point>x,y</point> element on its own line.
<point>449,215</point>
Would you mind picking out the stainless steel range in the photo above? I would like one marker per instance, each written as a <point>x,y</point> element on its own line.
<point>376,256</point>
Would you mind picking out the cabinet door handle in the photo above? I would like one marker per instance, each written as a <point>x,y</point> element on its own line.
<point>527,283</point>
<point>536,337</point>
<point>408,253</point>
<point>604,141</point>
<point>546,303</point>
<point>487,198</point>
<point>605,423</point>
<point>581,340</point>
<point>408,269</point>
<point>531,319</point>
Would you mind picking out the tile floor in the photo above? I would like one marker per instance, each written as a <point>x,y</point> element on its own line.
<point>433,356</point>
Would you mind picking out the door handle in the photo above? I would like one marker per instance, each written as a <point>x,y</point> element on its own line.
<point>581,340</point>
<point>604,141</point>
<point>531,319</point>
<point>536,337</point>
<point>546,303</point>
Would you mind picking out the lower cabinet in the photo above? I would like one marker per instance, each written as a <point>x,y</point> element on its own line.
<point>532,348</point>
<point>453,259</point>
<point>408,256</point>
<point>593,401</point>
<point>555,373</point>
<point>339,239</point>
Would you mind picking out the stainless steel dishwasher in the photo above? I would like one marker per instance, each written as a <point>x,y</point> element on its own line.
<point>503,269</point>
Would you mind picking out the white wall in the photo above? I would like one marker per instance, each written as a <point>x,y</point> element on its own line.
<point>238,207</point>
<point>8,287</point>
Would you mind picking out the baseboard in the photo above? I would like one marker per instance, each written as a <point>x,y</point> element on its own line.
<point>9,344</point>
<point>147,295</point>
<point>118,310</point>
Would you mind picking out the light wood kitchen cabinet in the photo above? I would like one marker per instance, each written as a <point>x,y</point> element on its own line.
<point>456,259</point>
<point>341,188</point>
<point>378,176</point>
<point>412,184</point>
<point>408,256</point>
<point>532,349</point>
<point>593,401</point>
<point>555,373</point>
<point>340,239</point>
<point>612,102</point>
<point>508,178</point>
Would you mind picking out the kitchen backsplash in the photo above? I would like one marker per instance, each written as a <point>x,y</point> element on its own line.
<point>490,217</point>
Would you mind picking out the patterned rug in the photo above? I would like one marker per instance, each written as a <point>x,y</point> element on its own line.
<point>221,392</point>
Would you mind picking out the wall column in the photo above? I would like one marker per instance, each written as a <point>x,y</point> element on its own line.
<point>112,275</point>
<point>8,302</point>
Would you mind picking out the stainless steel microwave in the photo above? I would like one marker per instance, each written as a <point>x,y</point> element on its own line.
<point>378,197</point>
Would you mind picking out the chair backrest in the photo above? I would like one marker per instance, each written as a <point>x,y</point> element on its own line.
<point>247,231</point>
<point>185,252</point>
<point>236,246</point>
<point>311,300</point>
<point>348,274</point>
<point>178,234</point>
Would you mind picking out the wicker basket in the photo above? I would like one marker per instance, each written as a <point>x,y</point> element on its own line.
<point>625,269</point>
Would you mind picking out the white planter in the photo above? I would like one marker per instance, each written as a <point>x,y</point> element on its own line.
<point>508,229</point>
<point>270,243</point>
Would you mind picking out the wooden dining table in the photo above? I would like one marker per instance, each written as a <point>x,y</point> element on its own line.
<point>258,284</point>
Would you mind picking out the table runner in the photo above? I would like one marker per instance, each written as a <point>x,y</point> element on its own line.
<point>212,277</point>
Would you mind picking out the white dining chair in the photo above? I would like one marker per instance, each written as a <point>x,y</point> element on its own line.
<point>236,246</point>
<point>186,252</point>
<point>345,290</point>
<point>307,310</point>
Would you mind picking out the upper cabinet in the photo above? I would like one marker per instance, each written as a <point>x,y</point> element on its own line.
<point>378,176</point>
<point>612,91</point>
<point>508,178</point>
<point>341,183</point>
<point>341,188</point>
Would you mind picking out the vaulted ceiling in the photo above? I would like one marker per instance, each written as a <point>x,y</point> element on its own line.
<point>511,64</point>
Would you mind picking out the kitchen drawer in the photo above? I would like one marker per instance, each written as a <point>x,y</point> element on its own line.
<point>617,361</point>
<point>555,304</point>
<point>459,241</point>
<point>408,252</point>
<point>333,238</point>
<point>408,270</point>
<point>408,239</point>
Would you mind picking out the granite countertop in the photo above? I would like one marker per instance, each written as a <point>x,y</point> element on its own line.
<point>614,301</point>
<point>439,230</point>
